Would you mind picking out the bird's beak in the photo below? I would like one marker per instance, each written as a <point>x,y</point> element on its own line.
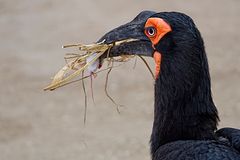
<point>132,30</point>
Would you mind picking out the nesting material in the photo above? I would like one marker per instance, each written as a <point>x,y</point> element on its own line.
<point>87,62</point>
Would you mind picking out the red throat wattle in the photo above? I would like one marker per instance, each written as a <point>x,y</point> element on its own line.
<point>157,58</point>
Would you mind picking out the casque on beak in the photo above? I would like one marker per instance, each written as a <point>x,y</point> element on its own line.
<point>132,30</point>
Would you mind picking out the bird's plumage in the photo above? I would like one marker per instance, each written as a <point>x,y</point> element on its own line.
<point>186,117</point>
<point>196,150</point>
<point>231,135</point>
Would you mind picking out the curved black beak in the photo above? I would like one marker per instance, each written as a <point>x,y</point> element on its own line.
<point>132,30</point>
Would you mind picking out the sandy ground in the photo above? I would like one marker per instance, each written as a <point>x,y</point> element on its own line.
<point>37,125</point>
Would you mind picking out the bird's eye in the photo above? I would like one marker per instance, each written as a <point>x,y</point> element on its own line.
<point>150,31</point>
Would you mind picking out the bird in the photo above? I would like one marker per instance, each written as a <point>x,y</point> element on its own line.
<point>185,116</point>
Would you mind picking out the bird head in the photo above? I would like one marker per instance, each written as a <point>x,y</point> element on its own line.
<point>174,42</point>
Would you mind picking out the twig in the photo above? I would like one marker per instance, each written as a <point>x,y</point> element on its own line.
<point>106,92</point>
<point>145,62</point>
<point>135,63</point>
<point>91,78</point>
<point>85,100</point>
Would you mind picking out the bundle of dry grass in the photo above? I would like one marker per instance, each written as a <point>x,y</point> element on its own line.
<point>77,63</point>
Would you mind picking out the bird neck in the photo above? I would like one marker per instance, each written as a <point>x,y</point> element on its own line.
<point>183,112</point>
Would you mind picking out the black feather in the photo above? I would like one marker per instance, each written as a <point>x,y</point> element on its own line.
<point>232,135</point>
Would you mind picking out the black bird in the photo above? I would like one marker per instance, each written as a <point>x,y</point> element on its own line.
<point>185,116</point>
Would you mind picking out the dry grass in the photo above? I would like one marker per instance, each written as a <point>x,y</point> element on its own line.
<point>77,63</point>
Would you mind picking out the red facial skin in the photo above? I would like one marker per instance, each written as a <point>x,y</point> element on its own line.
<point>155,29</point>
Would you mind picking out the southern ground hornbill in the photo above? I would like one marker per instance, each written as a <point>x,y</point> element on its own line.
<point>185,117</point>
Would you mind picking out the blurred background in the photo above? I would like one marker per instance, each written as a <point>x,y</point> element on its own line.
<point>49,125</point>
